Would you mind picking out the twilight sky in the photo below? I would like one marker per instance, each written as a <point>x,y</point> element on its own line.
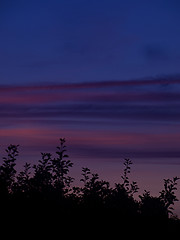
<point>88,40</point>
<point>103,74</point>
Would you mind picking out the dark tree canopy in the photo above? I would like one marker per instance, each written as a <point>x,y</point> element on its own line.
<point>46,189</point>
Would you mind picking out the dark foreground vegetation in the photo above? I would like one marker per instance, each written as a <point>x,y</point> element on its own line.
<point>45,194</point>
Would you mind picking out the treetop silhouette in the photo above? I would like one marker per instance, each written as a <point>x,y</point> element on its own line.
<point>49,186</point>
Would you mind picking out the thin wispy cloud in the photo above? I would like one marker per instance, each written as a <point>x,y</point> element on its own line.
<point>121,99</point>
<point>95,115</point>
<point>107,91</point>
<point>167,80</point>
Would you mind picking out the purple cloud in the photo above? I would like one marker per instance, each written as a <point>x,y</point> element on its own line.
<point>86,111</point>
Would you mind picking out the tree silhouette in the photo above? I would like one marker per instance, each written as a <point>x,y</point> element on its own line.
<point>46,189</point>
<point>7,170</point>
<point>41,183</point>
<point>22,185</point>
<point>94,191</point>
<point>152,207</point>
<point>167,195</point>
<point>60,169</point>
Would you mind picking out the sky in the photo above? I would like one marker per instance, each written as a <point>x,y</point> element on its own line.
<point>103,74</point>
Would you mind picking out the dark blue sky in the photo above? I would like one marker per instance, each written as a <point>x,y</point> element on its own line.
<point>79,40</point>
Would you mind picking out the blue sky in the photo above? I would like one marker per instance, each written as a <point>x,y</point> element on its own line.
<point>81,41</point>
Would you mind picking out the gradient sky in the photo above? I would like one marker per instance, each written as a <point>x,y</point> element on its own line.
<point>103,74</point>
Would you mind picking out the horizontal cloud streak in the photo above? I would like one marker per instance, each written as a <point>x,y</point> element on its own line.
<point>92,111</point>
<point>90,97</point>
<point>163,81</point>
<point>149,91</point>
<point>96,116</point>
<point>96,144</point>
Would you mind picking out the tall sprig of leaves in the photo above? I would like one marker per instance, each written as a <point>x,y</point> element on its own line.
<point>131,188</point>
<point>60,168</point>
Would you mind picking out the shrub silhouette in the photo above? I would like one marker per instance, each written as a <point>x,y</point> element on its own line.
<point>7,172</point>
<point>46,187</point>
<point>168,195</point>
<point>152,206</point>
<point>95,191</point>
